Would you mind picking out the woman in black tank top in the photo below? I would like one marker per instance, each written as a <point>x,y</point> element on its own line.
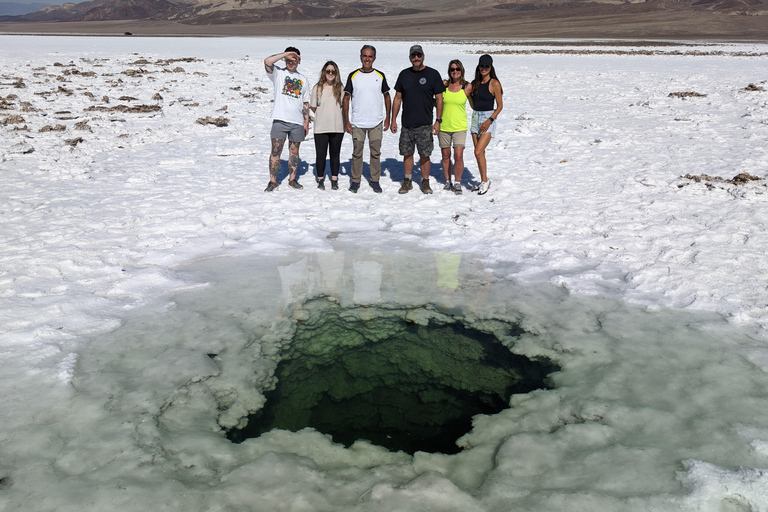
<point>486,105</point>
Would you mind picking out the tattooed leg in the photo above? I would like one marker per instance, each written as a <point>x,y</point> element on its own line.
<point>274,158</point>
<point>293,160</point>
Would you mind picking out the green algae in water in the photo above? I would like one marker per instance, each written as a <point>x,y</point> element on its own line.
<point>399,385</point>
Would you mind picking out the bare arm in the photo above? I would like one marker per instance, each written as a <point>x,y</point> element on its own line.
<point>345,113</point>
<point>395,110</point>
<point>439,109</point>
<point>497,92</point>
<point>269,62</point>
<point>387,109</point>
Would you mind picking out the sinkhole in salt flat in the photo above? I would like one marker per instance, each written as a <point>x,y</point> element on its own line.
<point>401,385</point>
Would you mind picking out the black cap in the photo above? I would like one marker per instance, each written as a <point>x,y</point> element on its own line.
<point>485,60</point>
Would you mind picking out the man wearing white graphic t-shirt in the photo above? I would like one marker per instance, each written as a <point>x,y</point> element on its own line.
<point>367,93</point>
<point>290,113</point>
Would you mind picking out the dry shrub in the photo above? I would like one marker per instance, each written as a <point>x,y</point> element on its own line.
<point>135,72</point>
<point>138,109</point>
<point>216,121</point>
<point>126,98</point>
<point>754,88</point>
<point>223,109</point>
<point>74,142</point>
<point>82,125</point>
<point>5,105</point>
<point>13,119</point>
<point>24,128</point>
<point>49,128</point>
<point>688,94</point>
<point>26,106</point>
<point>739,179</point>
<point>157,97</point>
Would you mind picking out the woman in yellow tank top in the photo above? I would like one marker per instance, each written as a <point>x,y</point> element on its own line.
<point>453,129</point>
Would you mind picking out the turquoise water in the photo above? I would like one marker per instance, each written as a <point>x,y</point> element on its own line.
<point>395,383</point>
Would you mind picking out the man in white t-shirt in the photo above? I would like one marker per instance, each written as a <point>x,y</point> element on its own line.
<point>290,113</point>
<point>367,93</point>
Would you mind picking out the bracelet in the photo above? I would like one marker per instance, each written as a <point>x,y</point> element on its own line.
<point>491,120</point>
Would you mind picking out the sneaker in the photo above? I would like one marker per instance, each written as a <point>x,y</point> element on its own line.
<point>353,187</point>
<point>321,184</point>
<point>425,186</point>
<point>335,184</point>
<point>295,184</point>
<point>448,186</point>
<point>271,186</point>
<point>457,189</point>
<point>484,186</point>
<point>406,186</point>
<point>376,187</point>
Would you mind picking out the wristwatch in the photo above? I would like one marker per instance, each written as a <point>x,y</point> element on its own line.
<point>439,119</point>
<point>491,120</point>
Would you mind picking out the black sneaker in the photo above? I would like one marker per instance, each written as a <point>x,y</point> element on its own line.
<point>406,186</point>
<point>321,184</point>
<point>295,184</point>
<point>376,187</point>
<point>425,186</point>
<point>353,187</point>
<point>271,186</point>
<point>335,184</point>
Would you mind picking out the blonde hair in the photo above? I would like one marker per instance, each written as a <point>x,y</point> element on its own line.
<point>338,90</point>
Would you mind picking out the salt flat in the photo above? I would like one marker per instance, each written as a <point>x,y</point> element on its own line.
<point>588,200</point>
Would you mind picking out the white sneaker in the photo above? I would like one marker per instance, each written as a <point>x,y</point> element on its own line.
<point>484,186</point>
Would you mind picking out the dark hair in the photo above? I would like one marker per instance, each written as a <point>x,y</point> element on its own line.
<point>293,49</point>
<point>368,47</point>
<point>479,78</point>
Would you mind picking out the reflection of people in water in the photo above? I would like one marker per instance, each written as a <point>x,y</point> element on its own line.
<point>447,269</point>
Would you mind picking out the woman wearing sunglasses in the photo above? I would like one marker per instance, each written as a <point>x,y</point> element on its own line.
<point>453,129</point>
<point>486,102</point>
<point>325,102</point>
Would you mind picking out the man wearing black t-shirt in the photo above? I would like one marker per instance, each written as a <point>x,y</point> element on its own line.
<point>416,89</point>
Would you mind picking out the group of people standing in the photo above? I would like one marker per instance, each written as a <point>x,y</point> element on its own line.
<point>363,107</point>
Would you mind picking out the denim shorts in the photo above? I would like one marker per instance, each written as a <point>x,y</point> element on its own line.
<point>479,118</point>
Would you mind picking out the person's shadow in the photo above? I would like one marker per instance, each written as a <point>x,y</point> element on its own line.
<point>391,168</point>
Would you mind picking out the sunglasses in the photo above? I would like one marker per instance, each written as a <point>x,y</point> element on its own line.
<point>454,69</point>
<point>330,72</point>
<point>417,54</point>
<point>484,66</point>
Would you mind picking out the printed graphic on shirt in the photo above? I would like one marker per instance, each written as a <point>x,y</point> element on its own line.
<point>292,87</point>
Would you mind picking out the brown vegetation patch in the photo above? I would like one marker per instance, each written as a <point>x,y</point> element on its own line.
<point>5,104</point>
<point>82,125</point>
<point>49,128</point>
<point>135,72</point>
<point>14,119</point>
<point>126,98</point>
<point>753,87</point>
<point>157,97</point>
<point>216,121</point>
<point>687,94</point>
<point>138,109</point>
<point>74,142</point>
<point>26,106</point>
<point>740,179</point>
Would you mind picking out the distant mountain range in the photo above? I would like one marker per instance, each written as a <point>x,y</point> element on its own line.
<point>208,12</point>
<point>17,9</point>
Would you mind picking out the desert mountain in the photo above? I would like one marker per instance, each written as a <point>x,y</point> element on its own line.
<point>206,12</point>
